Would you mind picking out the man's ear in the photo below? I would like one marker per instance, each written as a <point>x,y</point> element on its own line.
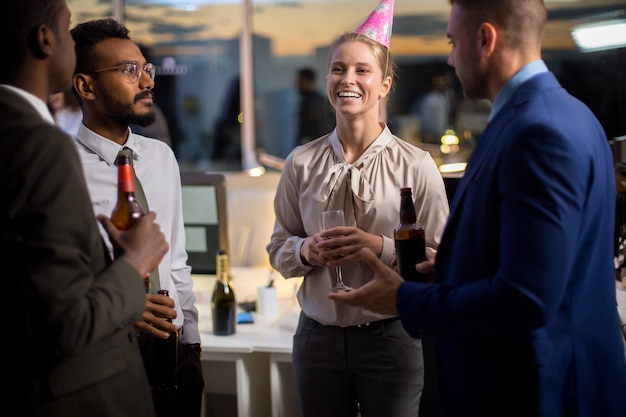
<point>84,87</point>
<point>487,36</point>
<point>42,41</point>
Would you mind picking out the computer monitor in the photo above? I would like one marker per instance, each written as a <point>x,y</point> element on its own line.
<point>204,214</point>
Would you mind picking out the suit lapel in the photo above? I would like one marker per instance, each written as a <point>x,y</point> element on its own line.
<point>478,157</point>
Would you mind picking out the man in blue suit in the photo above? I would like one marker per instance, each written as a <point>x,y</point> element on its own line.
<point>524,308</point>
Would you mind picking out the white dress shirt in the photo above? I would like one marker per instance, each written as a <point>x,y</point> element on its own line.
<point>158,171</point>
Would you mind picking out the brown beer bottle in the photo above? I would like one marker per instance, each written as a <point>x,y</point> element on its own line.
<point>409,240</point>
<point>160,359</point>
<point>223,302</point>
<point>127,209</point>
<point>164,361</point>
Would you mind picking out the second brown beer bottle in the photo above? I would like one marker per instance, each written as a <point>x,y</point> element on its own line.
<point>127,209</point>
<point>409,238</point>
<point>160,358</point>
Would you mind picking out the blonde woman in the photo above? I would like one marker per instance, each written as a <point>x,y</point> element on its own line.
<point>347,358</point>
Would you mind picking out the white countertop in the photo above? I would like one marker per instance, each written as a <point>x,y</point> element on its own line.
<point>261,336</point>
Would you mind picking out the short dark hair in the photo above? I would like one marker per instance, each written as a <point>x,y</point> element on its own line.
<point>19,20</point>
<point>520,21</point>
<point>87,35</point>
<point>306,74</point>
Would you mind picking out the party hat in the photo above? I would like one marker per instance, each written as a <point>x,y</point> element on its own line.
<point>378,24</point>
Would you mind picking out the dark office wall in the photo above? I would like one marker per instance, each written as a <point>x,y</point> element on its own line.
<point>599,80</point>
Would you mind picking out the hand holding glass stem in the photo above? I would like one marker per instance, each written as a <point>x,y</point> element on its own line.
<point>332,219</point>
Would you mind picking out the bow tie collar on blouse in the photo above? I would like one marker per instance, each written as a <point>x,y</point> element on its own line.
<point>342,172</point>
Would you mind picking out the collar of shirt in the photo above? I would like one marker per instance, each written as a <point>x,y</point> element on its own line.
<point>340,171</point>
<point>529,70</point>
<point>36,102</point>
<point>103,147</point>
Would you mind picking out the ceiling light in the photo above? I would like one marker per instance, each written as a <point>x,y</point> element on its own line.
<point>601,32</point>
<point>452,167</point>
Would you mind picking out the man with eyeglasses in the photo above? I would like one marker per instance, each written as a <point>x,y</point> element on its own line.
<point>115,86</point>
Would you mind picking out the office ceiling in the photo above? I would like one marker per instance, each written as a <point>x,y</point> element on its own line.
<point>299,27</point>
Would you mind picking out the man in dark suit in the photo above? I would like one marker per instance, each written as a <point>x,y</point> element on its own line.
<point>72,308</point>
<point>524,306</point>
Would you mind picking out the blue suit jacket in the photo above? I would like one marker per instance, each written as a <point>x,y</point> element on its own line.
<point>525,310</point>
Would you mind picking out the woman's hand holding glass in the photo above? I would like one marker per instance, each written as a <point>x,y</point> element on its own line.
<point>332,219</point>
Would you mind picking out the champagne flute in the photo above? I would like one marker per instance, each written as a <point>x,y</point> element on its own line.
<point>332,219</point>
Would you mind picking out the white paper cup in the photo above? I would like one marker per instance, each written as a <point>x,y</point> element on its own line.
<point>267,302</point>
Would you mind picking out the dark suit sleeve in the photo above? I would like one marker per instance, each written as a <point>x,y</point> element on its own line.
<point>56,254</point>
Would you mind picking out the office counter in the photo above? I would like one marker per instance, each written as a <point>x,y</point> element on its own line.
<point>249,374</point>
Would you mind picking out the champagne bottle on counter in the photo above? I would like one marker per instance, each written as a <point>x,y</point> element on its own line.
<point>223,303</point>
<point>160,359</point>
<point>127,209</point>
<point>409,238</point>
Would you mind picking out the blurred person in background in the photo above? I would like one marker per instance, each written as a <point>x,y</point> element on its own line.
<point>434,110</point>
<point>315,115</point>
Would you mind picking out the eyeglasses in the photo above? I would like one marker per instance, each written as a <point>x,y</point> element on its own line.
<point>132,70</point>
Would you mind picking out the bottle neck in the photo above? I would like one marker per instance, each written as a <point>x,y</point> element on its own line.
<point>125,181</point>
<point>223,268</point>
<point>407,210</point>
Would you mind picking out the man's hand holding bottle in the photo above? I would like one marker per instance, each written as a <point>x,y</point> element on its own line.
<point>157,317</point>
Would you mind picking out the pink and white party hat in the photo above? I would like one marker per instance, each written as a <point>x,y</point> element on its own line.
<point>378,24</point>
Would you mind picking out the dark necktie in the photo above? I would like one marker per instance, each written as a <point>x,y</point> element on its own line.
<point>155,285</point>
